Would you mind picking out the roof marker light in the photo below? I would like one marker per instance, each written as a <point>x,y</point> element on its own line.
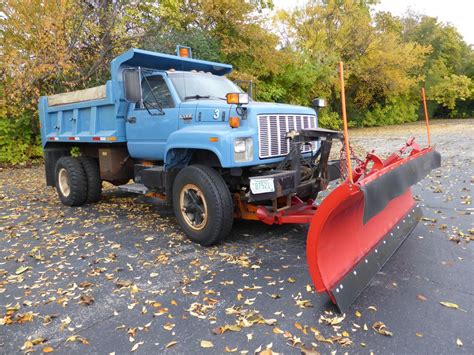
<point>183,51</point>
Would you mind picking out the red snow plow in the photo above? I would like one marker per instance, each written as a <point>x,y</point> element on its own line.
<point>362,222</point>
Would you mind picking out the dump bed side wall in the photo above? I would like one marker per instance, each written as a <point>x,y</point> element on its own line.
<point>96,121</point>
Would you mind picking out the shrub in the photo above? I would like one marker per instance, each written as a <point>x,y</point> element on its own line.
<point>396,111</point>
<point>18,143</point>
<point>329,119</point>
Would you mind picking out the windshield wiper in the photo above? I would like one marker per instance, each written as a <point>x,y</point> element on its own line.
<point>198,97</point>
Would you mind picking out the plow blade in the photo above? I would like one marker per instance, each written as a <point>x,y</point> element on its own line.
<point>360,225</point>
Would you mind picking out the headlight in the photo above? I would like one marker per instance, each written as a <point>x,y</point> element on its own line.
<point>243,149</point>
<point>239,146</point>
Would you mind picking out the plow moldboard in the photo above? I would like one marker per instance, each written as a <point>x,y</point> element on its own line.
<point>355,281</point>
<point>338,241</point>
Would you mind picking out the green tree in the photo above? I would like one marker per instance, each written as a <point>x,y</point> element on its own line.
<point>380,66</point>
<point>51,46</point>
<point>56,46</point>
<point>449,68</point>
<point>451,89</point>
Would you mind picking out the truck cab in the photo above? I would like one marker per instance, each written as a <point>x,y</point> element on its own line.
<point>181,130</point>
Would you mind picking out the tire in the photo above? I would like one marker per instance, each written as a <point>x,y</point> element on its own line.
<point>196,189</point>
<point>71,182</point>
<point>94,182</point>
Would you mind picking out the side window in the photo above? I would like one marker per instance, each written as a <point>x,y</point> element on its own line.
<point>154,90</point>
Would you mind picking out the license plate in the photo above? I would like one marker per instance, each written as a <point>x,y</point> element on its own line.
<point>261,186</point>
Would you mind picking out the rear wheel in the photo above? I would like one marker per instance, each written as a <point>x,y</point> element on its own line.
<point>94,182</point>
<point>71,183</point>
<point>202,204</point>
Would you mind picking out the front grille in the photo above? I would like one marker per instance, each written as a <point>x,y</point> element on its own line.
<point>272,130</point>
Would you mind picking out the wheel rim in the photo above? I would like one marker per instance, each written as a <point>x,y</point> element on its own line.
<point>193,206</point>
<point>63,181</point>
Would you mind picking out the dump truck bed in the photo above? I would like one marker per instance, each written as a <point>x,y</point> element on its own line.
<point>90,115</point>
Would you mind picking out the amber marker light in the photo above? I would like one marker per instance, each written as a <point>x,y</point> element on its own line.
<point>213,139</point>
<point>236,98</point>
<point>184,52</point>
<point>232,98</point>
<point>234,122</point>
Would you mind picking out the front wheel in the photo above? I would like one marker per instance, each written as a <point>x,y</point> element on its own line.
<point>202,204</point>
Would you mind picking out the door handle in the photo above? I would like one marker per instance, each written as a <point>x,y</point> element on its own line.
<point>132,120</point>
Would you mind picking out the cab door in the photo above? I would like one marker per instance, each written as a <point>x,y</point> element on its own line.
<point>148,127</point>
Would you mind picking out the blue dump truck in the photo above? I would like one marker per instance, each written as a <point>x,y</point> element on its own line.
<point>181,130</point>
<point>185,133</point>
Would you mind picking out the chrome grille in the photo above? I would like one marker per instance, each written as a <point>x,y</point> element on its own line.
<point>272,130</point>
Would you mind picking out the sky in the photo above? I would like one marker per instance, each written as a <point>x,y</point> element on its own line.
<point>458,13</point>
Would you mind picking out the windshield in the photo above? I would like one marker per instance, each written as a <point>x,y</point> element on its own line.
<point>194,86</point>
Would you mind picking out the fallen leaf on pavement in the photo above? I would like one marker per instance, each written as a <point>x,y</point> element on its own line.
<point>170,344</point>
<point>421,297</point>
<point>135,347</point>
<point>452,305</point>
<point>449,304</point>
<point>24,318</point>
<point>206,344</point>
<point>22,269</point>
<point>78,338</point>
<point>381,328</point>
<point>86,300</point>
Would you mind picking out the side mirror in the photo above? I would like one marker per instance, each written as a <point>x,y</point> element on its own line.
<point>318,103</point>
<point>132,85</point>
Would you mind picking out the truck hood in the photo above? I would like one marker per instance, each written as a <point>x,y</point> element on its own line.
<point>264,107</point>
<point>219,111</point>
<point>255,108</point>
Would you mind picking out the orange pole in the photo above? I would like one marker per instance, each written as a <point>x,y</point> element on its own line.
<point>344,121</point>
<point>427,120</point>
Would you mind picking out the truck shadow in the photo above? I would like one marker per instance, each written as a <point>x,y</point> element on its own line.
<point>243,231</point>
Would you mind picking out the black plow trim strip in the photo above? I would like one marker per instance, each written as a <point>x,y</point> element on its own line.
<point>378,193</point>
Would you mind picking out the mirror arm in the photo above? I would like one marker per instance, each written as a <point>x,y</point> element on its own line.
<point>160,108</point>
<point>141,90</point>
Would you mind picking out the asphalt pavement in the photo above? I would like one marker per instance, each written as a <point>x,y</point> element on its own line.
<point>120,276</point>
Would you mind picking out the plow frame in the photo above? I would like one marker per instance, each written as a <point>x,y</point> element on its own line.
<point>293,199</point>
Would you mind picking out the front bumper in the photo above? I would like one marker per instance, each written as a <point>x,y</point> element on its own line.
<point>285,183</point>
